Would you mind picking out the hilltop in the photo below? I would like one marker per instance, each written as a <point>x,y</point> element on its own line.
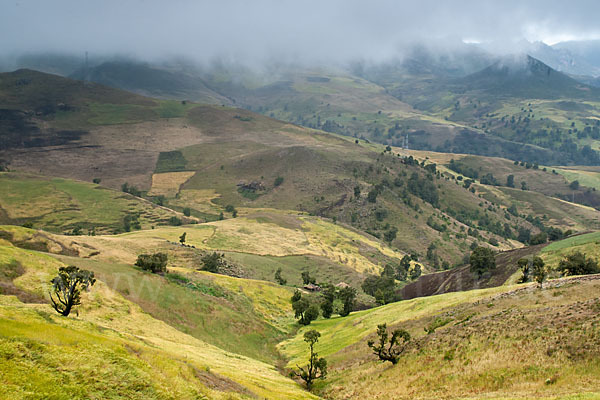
<point>462,100</point>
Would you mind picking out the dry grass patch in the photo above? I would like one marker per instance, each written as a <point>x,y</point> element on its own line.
<point>168,183</point>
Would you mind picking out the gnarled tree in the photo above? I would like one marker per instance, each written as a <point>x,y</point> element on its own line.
<point>389,351</point>
<point>317,367</point>
<point>67,286</point>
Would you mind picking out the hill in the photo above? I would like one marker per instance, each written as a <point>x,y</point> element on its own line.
<point>114,348</point>
<point>66,206</point>
<point>153,81</point>
<point>459,100</point>
<point>207,158</point>
<point>527,78</point>
<point>515,341</point>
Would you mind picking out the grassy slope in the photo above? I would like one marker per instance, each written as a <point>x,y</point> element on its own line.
<point>502,343</point>
<point>538,201</point>
<point>587,244</point>
<point>59,205</point>
<point>113,335</point>
<point>226,146</point>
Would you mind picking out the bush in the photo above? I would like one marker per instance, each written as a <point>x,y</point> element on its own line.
<point>278,181</point>
<point>155,263</point>
<point>540,238</point>
<point>578,264</point>
<point>574,185</point>
<point>213,262</point>
<point>187,211</point>
<point>175,221</point>
<point>281,280</point>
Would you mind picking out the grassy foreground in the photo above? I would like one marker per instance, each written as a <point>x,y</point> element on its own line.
<point>113,349</point>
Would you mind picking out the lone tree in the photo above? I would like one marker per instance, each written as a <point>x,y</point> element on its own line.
<point>389,351</point>
<point>317,367</point>
<point>307,279</point>
<point>67,287</point>
<point>482,260</point>
<point>329,294</point>
<point>539,271</point>
<point>182,238</point>
<point>525,266</point>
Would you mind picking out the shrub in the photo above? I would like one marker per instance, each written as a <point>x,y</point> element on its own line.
<point>578,263</point>
<point>540,238</point>
<point>278,278</point>
<point>213,262</point>
<point>187,211</point>
<point>278,181</point>
<point>175,221</point>
<point>155,263</point>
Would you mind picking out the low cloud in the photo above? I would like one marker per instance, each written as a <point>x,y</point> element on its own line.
<point>264,30</point>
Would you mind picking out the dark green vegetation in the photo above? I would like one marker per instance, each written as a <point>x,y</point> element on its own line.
<point>578,264</point>
<point>67,286</point>
<point>155,263</point>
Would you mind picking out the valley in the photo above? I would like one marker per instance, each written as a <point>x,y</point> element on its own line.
<point>422,223</point>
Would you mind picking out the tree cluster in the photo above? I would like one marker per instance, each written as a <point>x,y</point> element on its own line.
<point>578,263</point>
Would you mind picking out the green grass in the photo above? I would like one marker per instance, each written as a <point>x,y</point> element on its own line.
<point>589,179</point>
<point>58,205</point>
<point>173,109</point>
<point>588,244</point>
<point>338,333</point>
<point>116,114</point>
<point>170,161</point>
<point>114,348</point>
<point>200,307</point>
<point>499,343</point>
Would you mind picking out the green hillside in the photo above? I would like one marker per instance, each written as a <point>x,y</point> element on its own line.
<point>64,206</point>
<point>114,349</point>
<point>207,158</point>
<point>510,342</point>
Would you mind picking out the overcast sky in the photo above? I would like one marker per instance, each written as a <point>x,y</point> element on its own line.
<point>300,29</point>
